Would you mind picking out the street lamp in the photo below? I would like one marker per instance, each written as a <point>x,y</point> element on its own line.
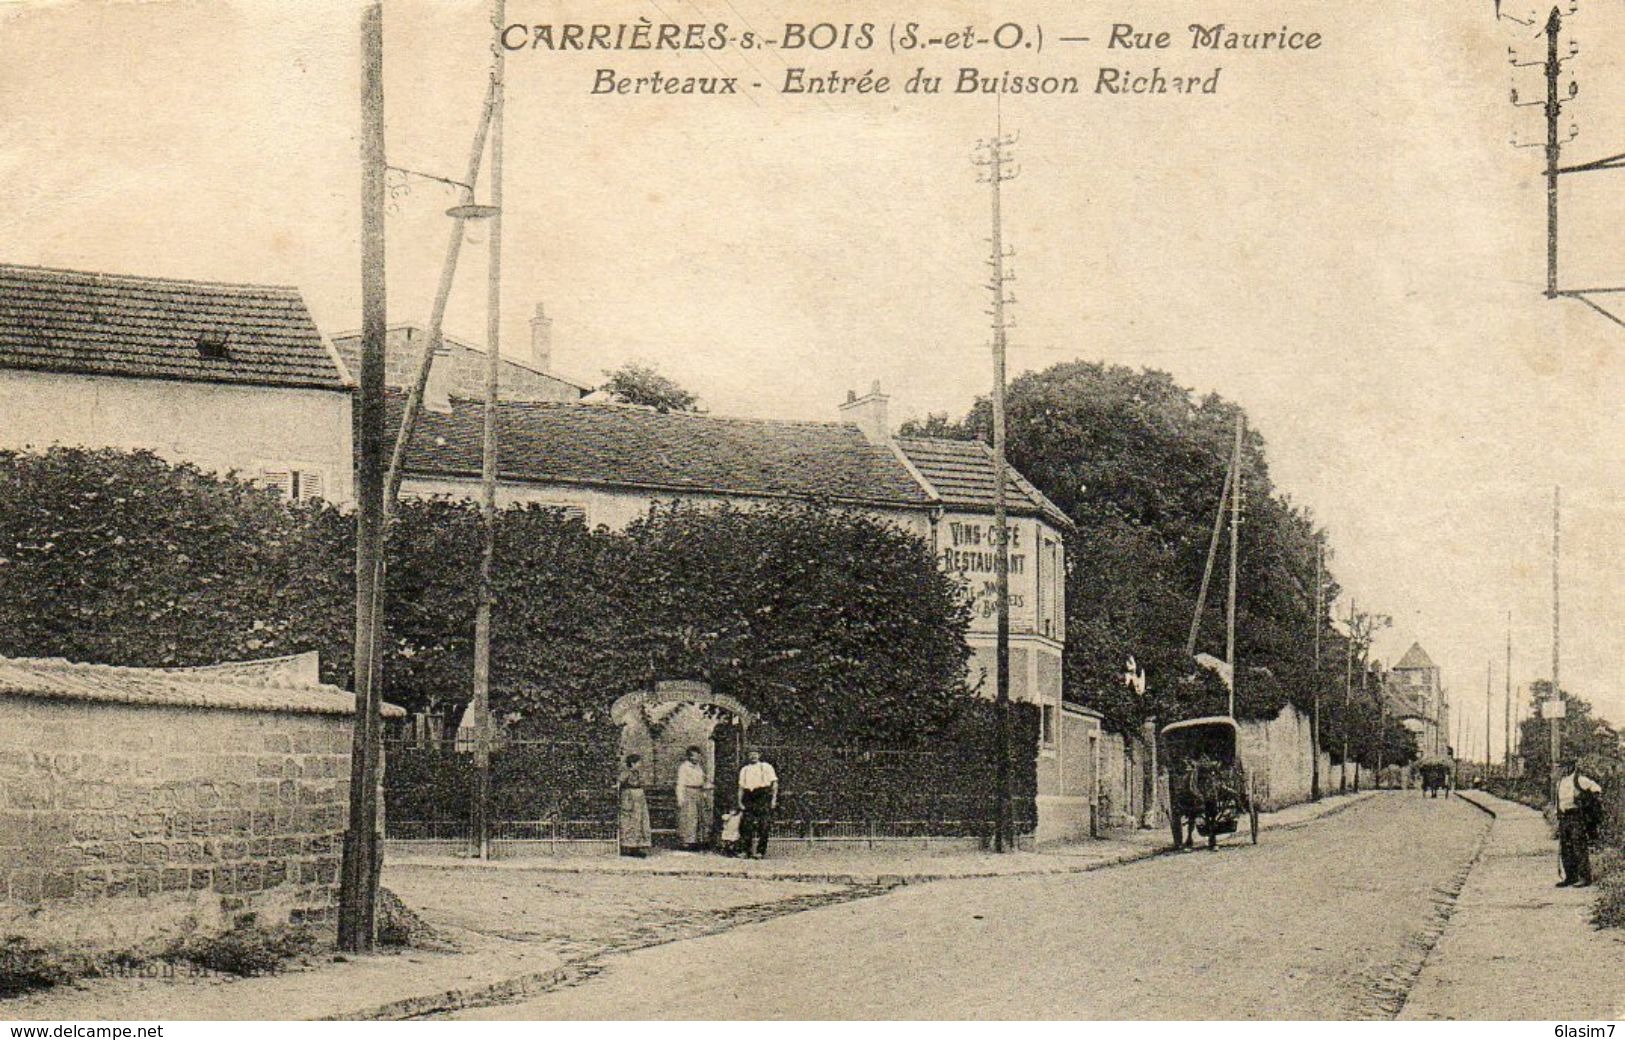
<point>473,211</point>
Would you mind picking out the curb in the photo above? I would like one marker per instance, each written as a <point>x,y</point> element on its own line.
<point>576,969</point>
<point>1444,909</point>
<point>1480,806</point>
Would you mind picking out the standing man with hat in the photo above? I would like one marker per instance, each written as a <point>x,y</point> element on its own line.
<point>1573,790</point>
<point>758,797</point>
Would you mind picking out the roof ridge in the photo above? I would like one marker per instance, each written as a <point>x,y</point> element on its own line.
<point>144,278</point>
<point>607,406</point>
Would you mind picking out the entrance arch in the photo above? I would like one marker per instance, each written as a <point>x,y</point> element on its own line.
<point>662,723</point>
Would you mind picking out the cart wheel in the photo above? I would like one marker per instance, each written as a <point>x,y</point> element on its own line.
<point>1252,819</point>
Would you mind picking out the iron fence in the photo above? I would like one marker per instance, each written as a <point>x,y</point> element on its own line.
<point>557,793</point>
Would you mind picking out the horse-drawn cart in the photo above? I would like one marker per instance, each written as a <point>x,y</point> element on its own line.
<point>1209,790</point>
<point>1436,772</point>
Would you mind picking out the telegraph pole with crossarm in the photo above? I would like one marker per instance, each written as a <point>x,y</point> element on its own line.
<point>993,156</point>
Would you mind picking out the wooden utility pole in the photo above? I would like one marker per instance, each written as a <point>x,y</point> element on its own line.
<point>996,173</point>
<point>1212,554</point>
<point>1489,674</point>
<point>1348,702</point>
<point>1506,763</point>
<point>442,296</point>
<point>358,880</point>
<point>1320,608</point>
<point>1556,721</point>
<point>1235,543</point>
<point>1554,108</point>
<point>480,702</point>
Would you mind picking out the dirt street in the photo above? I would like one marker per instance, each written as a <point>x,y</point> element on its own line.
<point>1330,920</point>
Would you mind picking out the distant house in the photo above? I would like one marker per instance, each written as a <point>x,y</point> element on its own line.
<point>1416,698</point>
<point>460,371</point>
<point>608,464</point>
<point>229,377</point>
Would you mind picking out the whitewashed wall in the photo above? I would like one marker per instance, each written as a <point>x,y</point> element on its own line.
<point>219,427</point>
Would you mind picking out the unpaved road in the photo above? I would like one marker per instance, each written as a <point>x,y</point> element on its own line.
<point>1331,920</point>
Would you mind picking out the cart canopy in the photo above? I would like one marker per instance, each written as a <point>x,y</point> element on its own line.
<point>1214,736</point>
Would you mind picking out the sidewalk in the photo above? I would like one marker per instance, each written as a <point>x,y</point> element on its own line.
<point>1517,949</point>
<point>522,925</point>
<point>892,865</point>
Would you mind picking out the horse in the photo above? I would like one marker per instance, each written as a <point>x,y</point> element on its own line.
<point>1194,796</point>
<point>1435,778</point>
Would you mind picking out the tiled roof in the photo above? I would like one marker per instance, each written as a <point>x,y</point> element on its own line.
<point>122,325</point>
<point>172,687</point>
<point>520,380</point>
<point>1415,658</point>
<point>961,472</point>
<point>622,446</point>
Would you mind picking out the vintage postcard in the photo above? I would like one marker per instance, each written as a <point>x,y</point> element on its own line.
<point>686,510</point>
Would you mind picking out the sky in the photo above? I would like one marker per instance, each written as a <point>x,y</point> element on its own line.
<point>1345,241</point>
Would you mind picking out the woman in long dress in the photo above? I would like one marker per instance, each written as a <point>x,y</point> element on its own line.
<point>693,800</point>
<point>634,821</point>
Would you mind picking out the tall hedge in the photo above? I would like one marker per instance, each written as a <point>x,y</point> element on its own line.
<point>122,558</point>
<point>835,626</point>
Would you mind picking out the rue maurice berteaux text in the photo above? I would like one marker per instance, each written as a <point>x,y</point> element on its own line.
<point>1135,56</point>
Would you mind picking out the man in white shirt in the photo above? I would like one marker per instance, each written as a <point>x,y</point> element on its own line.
<point>758,797</point>
<point>1571,825</point>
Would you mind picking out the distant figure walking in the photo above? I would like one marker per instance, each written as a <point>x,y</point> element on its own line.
<point>634,819</point>
<point>758,797</point>
<point>693,800</point>
<point>1574,790</point>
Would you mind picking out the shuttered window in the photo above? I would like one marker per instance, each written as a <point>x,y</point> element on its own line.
<point>296,485</point>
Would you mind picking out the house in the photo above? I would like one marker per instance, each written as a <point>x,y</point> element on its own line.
<point>608,464</point>
<point>1416,698</point>
<point>231,377</point>
<point>460,369</point>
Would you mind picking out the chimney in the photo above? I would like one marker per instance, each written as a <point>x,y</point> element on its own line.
<point>437,391</point>
<point>541,340</point>
<point>868,413</point>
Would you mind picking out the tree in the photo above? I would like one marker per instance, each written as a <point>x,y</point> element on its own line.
<point>938,425</point>
<point>1138,463</point>
<point>642,385</point>
<point>1584,736</point>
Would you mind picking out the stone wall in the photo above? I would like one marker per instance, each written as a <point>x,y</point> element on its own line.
<point>123,826</point>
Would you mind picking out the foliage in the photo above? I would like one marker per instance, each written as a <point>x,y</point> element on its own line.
<point>937,424</point>
<point>1609,909</point>
<point>834,626</point>
<point>27,966</point>
<point>1585,738</point>
<point>642,385</point>
<point>248,948</point>
<point>1138,463</point>
<point>121,557</point>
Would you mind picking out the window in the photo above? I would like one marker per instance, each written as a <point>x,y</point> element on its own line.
<point>296,485</point>
<point>213,343</point>
<point>1046,725</point>
<point>571,512</point>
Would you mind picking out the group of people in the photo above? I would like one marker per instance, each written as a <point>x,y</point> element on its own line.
<point>743,832</point>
